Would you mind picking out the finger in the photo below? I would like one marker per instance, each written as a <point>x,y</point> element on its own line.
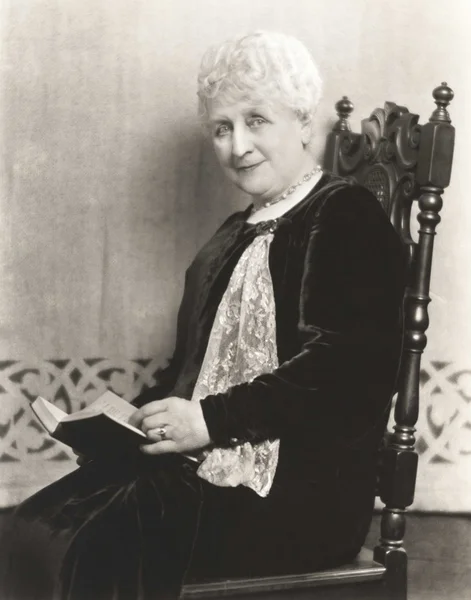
<point>158,406</point>
<point>154,422</point>
<point>136,418</point>
<point>164,447</point>
<point>160,434</point>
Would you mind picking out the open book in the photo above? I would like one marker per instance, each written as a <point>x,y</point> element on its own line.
<point>102,428</point>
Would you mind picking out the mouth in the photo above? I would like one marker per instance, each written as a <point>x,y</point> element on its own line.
<point>248,168</point>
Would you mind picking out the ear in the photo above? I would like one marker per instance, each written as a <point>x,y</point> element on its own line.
<point>306,128</point>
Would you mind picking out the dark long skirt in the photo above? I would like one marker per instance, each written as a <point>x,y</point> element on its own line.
<point>122,530</point>
<point>138,529</point>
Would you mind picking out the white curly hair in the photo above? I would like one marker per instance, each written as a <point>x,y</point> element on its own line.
<point>262,66</point>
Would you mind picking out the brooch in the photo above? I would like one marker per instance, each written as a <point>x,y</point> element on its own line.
<point>266,226</point>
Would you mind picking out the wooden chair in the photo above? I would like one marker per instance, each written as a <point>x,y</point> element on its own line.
<point>401,162</point>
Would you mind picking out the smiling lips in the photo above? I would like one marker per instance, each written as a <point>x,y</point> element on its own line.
<point>248,168</point>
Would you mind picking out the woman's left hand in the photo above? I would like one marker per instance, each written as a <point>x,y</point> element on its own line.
<point>173,425</point>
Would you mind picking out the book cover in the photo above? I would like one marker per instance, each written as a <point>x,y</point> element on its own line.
<point>100,429</point>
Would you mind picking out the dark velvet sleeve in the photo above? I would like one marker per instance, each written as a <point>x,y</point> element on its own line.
<point>349,331</point>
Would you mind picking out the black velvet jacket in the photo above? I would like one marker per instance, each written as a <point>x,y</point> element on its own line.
<point>143,525</point>
<point>338,271</point>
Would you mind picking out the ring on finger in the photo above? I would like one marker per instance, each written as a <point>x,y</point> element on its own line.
<point>162,432</point>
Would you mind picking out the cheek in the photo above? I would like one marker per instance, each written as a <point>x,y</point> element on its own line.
<point>275,144</point>
<point>287,149</point>
<point>222,152</point>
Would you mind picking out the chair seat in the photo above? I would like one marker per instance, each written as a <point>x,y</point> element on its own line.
<point>363,568</point>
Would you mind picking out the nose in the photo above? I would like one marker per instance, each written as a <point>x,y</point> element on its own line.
<point>241,141</point>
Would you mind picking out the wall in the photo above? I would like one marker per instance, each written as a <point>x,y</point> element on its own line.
<point>107,190</point>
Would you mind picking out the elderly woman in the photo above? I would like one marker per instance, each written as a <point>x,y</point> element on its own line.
<point>263,430</point>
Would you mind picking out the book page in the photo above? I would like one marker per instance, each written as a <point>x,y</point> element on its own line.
<point>114,406</point>
<point>56,412</point>
<point>48,414</point>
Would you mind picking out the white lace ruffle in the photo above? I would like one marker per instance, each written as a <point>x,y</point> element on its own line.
<point>241,346</point>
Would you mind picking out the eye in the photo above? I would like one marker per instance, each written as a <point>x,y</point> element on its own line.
<point>222,130</point>
<point>256,121</point>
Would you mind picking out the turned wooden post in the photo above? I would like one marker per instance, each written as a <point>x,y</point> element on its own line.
<point>400,459</point>
<point>344,109</point>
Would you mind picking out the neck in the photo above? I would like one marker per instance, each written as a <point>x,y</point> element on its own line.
<point>296,189</point>
<point>278,209</point>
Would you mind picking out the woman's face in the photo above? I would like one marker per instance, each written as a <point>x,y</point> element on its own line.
<point>262,148</point>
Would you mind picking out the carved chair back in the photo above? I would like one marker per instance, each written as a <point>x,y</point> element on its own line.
<point>401,162</point>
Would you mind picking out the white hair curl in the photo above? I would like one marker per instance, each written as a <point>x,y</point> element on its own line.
<point>264,67</point>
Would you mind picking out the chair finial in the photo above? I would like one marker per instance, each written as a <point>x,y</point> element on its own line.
<point>443,95</point>
<point>344,108</point>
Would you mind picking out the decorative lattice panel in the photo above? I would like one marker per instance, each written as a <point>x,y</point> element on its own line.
<point>71,384</point>
<point>29,459</point>
<point>443,438</point>
<point>444,424</point>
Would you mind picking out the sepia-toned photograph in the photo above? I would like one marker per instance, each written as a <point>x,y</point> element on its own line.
<point>234,300</point>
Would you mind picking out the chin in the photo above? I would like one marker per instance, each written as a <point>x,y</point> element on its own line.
<point>253,188</point>
<point>251,183</point>
<point>252,191</point>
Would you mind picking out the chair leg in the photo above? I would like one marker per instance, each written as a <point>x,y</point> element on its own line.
<point>395,579</point>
